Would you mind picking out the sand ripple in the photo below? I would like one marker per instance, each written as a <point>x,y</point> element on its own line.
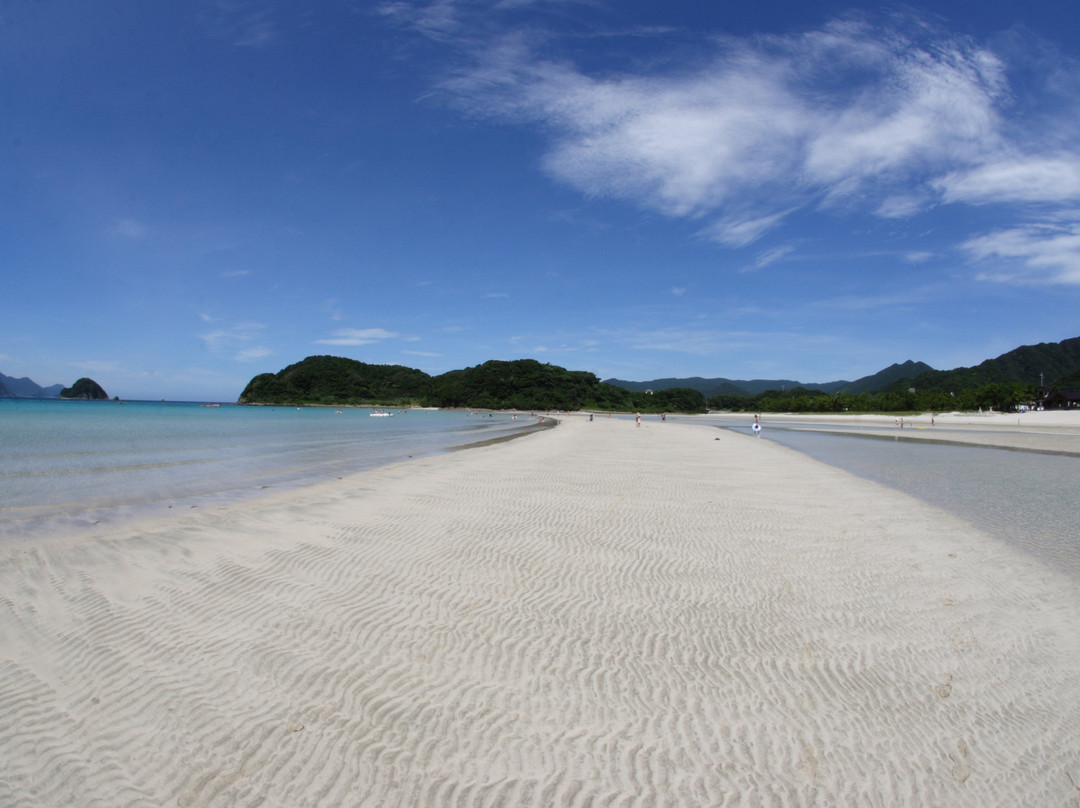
<point>594,615</point>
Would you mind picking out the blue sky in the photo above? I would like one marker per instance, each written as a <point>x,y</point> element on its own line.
<point>198,192</point>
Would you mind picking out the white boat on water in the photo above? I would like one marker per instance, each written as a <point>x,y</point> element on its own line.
<point>380,414</point>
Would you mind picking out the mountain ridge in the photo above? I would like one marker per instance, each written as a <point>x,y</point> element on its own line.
<point>752,387</point>
<point>25,387</point>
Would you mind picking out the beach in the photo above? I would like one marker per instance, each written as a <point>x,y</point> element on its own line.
<point>596,614</point>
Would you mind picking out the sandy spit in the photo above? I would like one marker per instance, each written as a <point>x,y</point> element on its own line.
<point>599,614</point>
<point>1051,431</point>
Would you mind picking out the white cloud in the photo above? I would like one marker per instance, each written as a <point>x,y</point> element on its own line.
<point>737,231</point>
<point>426,354</point>
<point>678,291</point>
<point>357,336</point>
<point>901,206</point>
<point>888,115</point>
<point>1046,252</point>
<point>247,354</point>
<point>918,256</point>
<point>772,256</point>
<point>826,116</point>
<point>1029,179</point>
<point>923,107</point>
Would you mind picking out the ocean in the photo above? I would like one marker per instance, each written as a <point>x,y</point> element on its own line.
<point>68,465</point>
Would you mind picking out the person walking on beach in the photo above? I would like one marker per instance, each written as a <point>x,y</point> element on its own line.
<point>757,426</point>
<point>639,419</point>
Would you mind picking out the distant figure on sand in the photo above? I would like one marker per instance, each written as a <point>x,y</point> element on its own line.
<point>639,419</point>
<point>757,426</point>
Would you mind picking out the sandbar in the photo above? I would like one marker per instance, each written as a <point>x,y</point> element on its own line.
<point>597,614</point>
<point>1049,432</point>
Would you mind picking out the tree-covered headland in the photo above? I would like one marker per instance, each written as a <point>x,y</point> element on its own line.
<point>523,384</point>
<point>85,388</point>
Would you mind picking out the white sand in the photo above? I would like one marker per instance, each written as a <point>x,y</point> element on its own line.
<point>594,615</point>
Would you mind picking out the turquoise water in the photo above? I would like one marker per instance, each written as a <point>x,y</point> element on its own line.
<point>73,463</point>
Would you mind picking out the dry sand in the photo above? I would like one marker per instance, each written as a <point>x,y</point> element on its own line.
<point>599,614</point>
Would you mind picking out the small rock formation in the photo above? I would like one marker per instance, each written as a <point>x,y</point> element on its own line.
<point>85,389</point>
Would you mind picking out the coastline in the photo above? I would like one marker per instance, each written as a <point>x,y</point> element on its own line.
<point>1050,432</point>
<point>597,612</point>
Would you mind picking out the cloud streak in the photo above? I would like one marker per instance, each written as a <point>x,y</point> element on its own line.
<point>1042,252</point>
<point>357,336</point>
<point>892,116</point>
<point>237,341</point>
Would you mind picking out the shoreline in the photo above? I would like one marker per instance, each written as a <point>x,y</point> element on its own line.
<point>21,521</point>
<point>1051,432</point>
<point>594,613</point>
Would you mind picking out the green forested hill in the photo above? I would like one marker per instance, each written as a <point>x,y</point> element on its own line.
<point>1054,362</point>
<point>523,384</point>
<point>526,384</point>
<point>85,388</point>
<point>336,380</point>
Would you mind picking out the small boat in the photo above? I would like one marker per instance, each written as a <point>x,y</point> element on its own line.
<point>380,414</point>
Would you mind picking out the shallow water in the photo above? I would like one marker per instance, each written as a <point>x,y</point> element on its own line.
<point>68,463</point>
<point>1027,499</point>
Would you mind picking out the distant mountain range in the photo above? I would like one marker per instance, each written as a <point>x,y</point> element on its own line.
<point>25,388</point>
<point>753,387</point>
<point>1050,364</point>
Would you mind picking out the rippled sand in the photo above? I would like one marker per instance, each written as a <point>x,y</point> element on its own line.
<point>598,614</point>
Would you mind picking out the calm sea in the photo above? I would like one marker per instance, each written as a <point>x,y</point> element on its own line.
<point>70,464</point>
<point>1027,499</point>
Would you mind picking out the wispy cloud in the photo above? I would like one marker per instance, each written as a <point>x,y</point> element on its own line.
<point>356,336</point>
<point>771,256</point>
<point>130,229</point>
<point>1044,252</point>
<point>844,109</point>
<point>737,231</point>
<point>1026,179</point>
<point>237,341</point>
<point>887,115</point>
<point>333,310</point>
<point>99,366</point>
<point>244,23</point>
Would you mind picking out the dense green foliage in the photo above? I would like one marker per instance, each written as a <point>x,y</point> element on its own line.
<point>1000,397</point>
<point>1002,384</point>
<point>335,380</point>
<point>86,389</point>
<point>524,384</point>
